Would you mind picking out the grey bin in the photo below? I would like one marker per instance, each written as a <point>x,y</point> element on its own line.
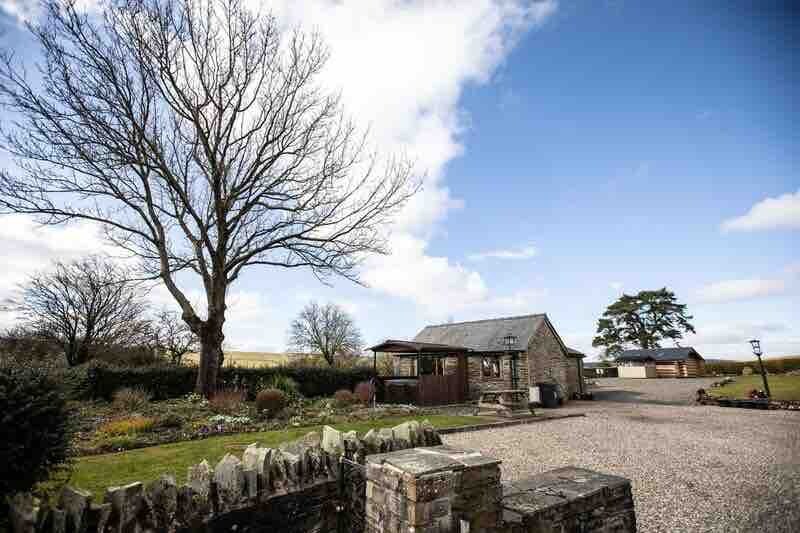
<point>550,395</point>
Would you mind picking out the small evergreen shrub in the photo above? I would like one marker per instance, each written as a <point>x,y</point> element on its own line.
<point>364,391</point>
<point>271,401</point>
<point>118,443</point>
<point>170,420</point>
<point>227,402</point>
<point>127,426</point>
<point>131,399</point>
<point>37,428</point>
<point>343,398</point>
<point>284,384</point>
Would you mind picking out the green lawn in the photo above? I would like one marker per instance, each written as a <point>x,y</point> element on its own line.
<point>95,473</point>
<point>781,387</point>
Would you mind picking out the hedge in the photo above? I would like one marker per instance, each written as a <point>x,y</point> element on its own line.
<point>777,365</point>
<point>37,429</point>
<point>171,381</point>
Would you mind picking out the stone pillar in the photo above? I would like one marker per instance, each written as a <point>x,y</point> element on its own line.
<point>569,499</point>
<point>432,490</point>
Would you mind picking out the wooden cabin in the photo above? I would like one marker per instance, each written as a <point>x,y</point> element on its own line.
<point>662,363</point>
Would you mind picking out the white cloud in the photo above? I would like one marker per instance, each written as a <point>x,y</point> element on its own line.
<point>27,10</point>
<point>28,247</point>
<point>616,285</point>
<point>782,212</point>
<point>729,333</point>
<point>730,340</point>
<point>739,289</point>
<point>402,67</point>
<point>793,269</point>
<point>525,252</point>
<point>440,287</point>
<point>429,281</point>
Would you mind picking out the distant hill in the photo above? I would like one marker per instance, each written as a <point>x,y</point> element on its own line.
<point>720,361</point>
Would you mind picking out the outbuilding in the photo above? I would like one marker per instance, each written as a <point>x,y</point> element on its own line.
<point>452,363</point>
<point>661,362</point>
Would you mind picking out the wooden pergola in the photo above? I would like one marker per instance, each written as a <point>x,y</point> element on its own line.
<point>412,348</point>
<point>430,389</point>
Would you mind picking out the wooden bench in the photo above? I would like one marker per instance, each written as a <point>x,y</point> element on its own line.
<point>505,403</point>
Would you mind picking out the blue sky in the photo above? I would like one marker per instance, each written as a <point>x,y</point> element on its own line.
<point>574,150</point>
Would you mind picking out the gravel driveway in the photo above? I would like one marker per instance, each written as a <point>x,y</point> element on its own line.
<point>693,468</point>
<point>660,391</point>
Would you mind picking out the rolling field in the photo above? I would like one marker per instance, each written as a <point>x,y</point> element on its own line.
<point>783,387</point>
<point>246,359</point>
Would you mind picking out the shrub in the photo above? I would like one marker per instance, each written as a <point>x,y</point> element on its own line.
<point>284,384</point>
<point>170,420</point>
<point>227,401</point>
<point>37,428</point>
<point>272,401</point>
<point>364,392</point>
<point>343,398</point>
<point>117,443</point>
<point>131,398</point>
<point>127,426</point>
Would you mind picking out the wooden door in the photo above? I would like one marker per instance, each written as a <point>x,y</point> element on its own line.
<point>443,390</point>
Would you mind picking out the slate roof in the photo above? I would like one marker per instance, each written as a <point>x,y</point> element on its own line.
<point>597,364</point>
<point>658,354</point>
<point>484,335</point>
<point>575,353</point>
<point>401,346</point>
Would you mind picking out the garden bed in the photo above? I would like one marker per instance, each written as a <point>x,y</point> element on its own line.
<point>104,427</point>
<point>97,472</point>
<point>755,403</point>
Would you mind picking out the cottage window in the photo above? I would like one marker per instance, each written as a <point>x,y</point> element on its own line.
<point>490,367</point>
<point>432,366</point>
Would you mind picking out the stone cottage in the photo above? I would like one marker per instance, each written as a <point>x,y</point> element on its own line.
<point>455,362</point>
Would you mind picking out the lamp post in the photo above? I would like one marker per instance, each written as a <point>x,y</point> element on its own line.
<point>756,344</point>
<point>509,341</point>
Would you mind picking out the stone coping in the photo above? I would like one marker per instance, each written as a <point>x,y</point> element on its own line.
<point>431,460</point>
<point>556,486</point>
<point>507,423</point>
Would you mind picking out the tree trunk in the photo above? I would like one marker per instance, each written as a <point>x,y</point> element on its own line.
<point>211,338</point>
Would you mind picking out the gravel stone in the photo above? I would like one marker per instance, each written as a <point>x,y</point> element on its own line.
<point>692,468</point>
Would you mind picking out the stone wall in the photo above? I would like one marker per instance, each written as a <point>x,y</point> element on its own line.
<point>442,489</point>
<point>569,499</point>
<point>573,375</point>
<point>548,362</point>
<point>294,488</point>
<point>479,383</point>
<point>338,482</point>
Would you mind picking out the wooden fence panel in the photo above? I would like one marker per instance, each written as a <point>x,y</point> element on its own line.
<point>440,390</point>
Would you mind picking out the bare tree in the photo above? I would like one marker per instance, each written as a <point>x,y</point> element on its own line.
<point>173,337</point>
<point>326,329</point>
<point>196,133</point>
<point>85,304</point>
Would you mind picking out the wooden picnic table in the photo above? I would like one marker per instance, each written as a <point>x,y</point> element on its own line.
<point>503,402</point>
